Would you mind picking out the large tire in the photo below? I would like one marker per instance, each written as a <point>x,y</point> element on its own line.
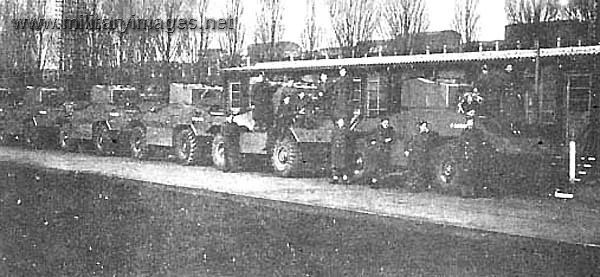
<point>186,147</point>
<point>101,140</point>
<point>138,146</point>
<point>218,151</point>
<point>286,158</point>
<point>32,135</point>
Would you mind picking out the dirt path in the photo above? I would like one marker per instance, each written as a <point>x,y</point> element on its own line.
<point>548,219</point>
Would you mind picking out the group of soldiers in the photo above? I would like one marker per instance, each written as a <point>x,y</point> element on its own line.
<point>278,108</point>
<point>502,92</point>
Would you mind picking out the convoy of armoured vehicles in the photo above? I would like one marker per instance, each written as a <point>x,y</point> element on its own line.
<point>118,119</point>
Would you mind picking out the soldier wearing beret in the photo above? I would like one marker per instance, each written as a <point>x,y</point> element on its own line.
<point>417,150</point>
<point>342,90</point>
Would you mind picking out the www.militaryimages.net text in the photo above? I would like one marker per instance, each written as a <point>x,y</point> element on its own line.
<point>88,23</point>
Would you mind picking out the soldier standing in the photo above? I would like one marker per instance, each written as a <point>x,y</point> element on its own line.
<point>285,113</point>
<point>513,101</point>
<point>285,89</point>
<point>325,90</point>
<point>305,110</point>
<point>339,152</point>
<point>417,151</point>
<point>385,138</point>
<point>263,112</point>
<point>469,105</point>
<point>378,158</point>
<point>342,106</point>
<point>231,133</point>
<point>285,117</point>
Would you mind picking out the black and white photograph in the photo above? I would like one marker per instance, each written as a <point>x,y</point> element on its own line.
<point>299,138</point>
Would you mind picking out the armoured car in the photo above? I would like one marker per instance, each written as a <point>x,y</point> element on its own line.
<point>185,124</point>
<point>40,114</point>
<point>103,119</point>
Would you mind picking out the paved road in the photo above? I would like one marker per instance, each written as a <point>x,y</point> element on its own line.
<point>61,223</point>
<point>548,219</point>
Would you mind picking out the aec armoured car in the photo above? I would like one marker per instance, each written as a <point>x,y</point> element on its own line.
<point>103,119</point>
<point>186,124</point>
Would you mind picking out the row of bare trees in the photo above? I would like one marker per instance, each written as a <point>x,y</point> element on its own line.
<point>536,11</point>
<point>350,21</point>
<point>32,49</point>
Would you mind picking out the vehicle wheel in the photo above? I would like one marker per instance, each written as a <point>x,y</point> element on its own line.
<point>64,142</point>
<point>101,139</point>
<point>218,151</point>
<point>138,146</point>
<point>32,135</point>
<point>286,158</point>
<point>186,146</point>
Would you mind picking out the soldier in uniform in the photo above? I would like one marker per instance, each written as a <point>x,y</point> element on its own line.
<point>469,105</point>
<point>378,159</point>
<point>417,150</point>
<point>263,112</point>
<point>385,138</point>
<point>285,117</point>
<point>231,133</point>
<point>342,105</point>
<point>513,101</point>
<point>325,93</point>
<point>285,89</point>
<point>286,113</point>
<point>340,152</point>
<point>305,110</point>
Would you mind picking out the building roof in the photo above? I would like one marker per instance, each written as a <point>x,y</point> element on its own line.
<point>417,59</point>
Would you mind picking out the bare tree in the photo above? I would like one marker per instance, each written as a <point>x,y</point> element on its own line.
<point>531,11</point>
<point>312,32</point>
<point>35,40</point>
<point>466,19</point>
<point>196,41</point>
<point>353,21</point>
<point>404,19</point>
<point>169,43</point>
<point>232,40</point>
<point>582,10</point>
<point>269,28</point>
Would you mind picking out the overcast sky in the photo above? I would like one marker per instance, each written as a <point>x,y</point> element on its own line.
<point>492,19</point>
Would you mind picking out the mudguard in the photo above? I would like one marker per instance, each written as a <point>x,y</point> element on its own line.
<point>313,136</point>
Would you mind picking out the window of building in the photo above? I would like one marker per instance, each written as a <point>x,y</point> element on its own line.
<point>375,98</point>
<point>235,89</point>
<point>579,89</point>
<point>357,92</point>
